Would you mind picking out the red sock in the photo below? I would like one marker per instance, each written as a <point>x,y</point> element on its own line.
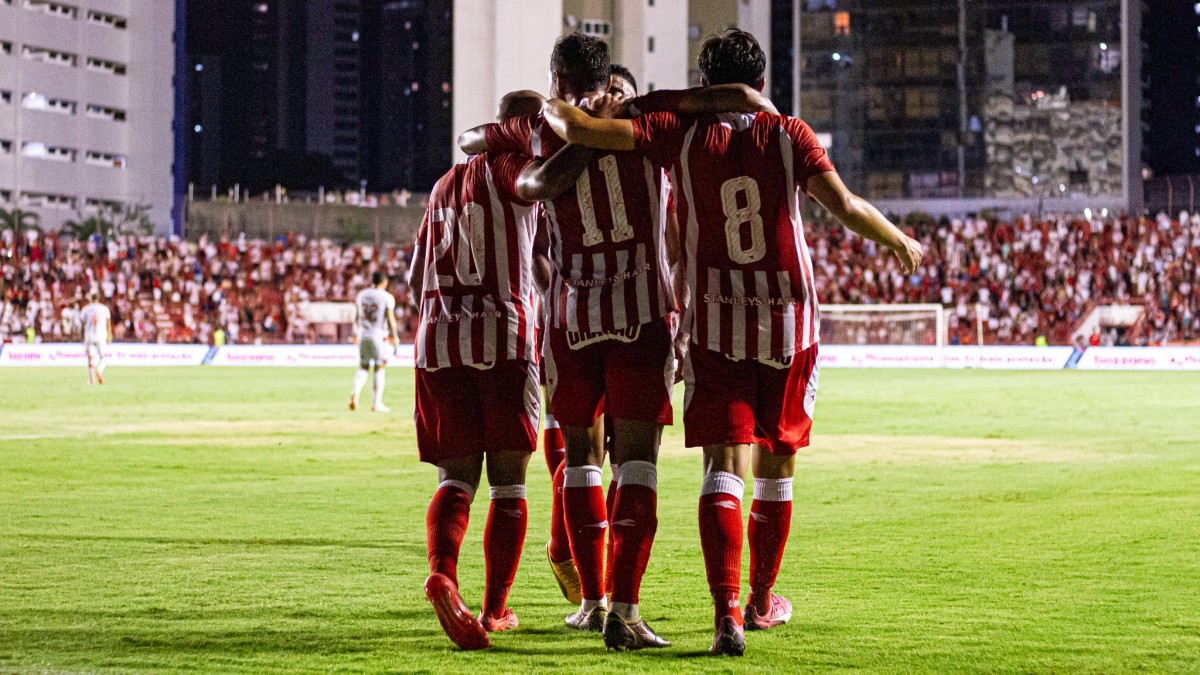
<point>610,501</point>
<point>586,522</point>
<point>445,525</point>
<point>721,540</point>
<point>503,539</point>
<point>634,522</point>
<point>560,543</point>
<point>770,524</point>
<point>553,447</point>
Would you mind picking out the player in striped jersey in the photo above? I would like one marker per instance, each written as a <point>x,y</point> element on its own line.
<point>476,357</point>
<point>558,550</point>
<point>752,366</point>
<point>609,344</point>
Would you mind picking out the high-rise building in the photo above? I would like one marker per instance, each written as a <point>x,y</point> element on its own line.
<point>955,100</point>
<point>1172,71</point>
<point>86,107</point>
<point>407,59</point>
<point>306,79</point>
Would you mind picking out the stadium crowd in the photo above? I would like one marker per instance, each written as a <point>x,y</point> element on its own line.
<point>1030,278</point>
<point>169,290</point>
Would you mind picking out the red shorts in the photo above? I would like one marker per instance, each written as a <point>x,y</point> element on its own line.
<point>464,411</point>
<point>731,402</point>
<point>626,374</point>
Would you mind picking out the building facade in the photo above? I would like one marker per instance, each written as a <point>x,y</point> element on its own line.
<point>1004,101</point>
<point>86,107</point>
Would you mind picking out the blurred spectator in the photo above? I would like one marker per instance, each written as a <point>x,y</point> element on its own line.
<point>168,290</point>
<point>1025,280</point>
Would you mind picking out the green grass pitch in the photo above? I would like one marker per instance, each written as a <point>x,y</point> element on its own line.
<point>224,520</point>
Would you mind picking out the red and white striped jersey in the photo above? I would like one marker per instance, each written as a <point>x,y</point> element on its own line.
<point>476,240</point>
<point>737,179</point>
<point>608,265</point>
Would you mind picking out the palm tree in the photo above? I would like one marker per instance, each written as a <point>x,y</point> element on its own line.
<point>18,220</point>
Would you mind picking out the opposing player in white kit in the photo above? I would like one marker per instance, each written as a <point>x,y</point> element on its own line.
<point>97,332</point>
<point>375,323</point>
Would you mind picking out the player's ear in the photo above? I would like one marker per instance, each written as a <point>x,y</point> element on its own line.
<point>762,82</point>
<point>703,80</point>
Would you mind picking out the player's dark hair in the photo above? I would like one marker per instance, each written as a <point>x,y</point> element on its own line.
<point>623,72</point>
<point>377,278</point>
<point>582,62</point>
<point>732,57</point>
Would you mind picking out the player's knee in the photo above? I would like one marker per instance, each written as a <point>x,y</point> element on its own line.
<point>635,441</point>
<point>584,446</point>
<point>769,465</point>
<point>727,458</point>
<point>462,469</point>
<point>507,467</point>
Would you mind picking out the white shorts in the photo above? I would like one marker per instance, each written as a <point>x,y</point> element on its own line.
<point>373,349</point>
<point>95,350</point>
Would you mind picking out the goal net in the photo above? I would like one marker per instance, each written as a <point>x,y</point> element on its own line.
<point>883,325</point>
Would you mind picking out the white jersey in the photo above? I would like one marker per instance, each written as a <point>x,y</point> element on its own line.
<point>96,319</point>
<point>374,306</point>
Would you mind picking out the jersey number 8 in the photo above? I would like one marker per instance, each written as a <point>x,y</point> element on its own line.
<point>737,217</point>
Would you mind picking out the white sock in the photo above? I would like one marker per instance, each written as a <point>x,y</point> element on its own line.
<point>589,605</point>
<point>91,373</point>
<point>773,489</point>
<point>626,611</point>
<point>100,368</point>
<point>379,386</point>
<point>360,379</point>
<point>721,482</point>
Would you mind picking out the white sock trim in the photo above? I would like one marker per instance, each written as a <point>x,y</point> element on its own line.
<point>460,486</point>
<point>773,489</point>
<point>507,492</point>
<point>639,473</point>
<point>582,476</point>
<point>551,423</point>
<point>723,483</point>
<point>616,473</point>
<point>625,610</point>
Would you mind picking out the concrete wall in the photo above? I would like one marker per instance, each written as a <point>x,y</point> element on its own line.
<point>499,46</point>
<point>347,224</point>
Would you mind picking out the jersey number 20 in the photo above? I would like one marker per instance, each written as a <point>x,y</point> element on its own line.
<point>738,217</point>
<point>468,254</point>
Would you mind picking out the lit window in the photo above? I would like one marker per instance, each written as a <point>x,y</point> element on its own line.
<point>44,55</point>
<point>110,20</point>
<point>105,159</point>
<point>103,66</point>
<point>100,112</point>
<point>261,8</point>
<point>199,67</point>
<point>37,150</point>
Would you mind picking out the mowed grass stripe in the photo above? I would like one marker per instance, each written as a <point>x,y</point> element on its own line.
<point>222,520</point>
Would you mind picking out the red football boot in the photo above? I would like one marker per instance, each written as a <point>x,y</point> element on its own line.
<point>461,627</point>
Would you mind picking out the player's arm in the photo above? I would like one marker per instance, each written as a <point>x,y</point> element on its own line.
<point>577,127</point>
<point>416,277</point>
<point>861,217</point>
<point>541,258</point>
<point>675,261</point>
<point>510,136</point>
<point>718,98</point>
<point>474,141</point>
<point>543,180</point>
<point>393,327</point>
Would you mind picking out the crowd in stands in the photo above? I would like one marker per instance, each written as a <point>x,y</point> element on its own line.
<point>1027,279</point>
<point>170,290</point>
